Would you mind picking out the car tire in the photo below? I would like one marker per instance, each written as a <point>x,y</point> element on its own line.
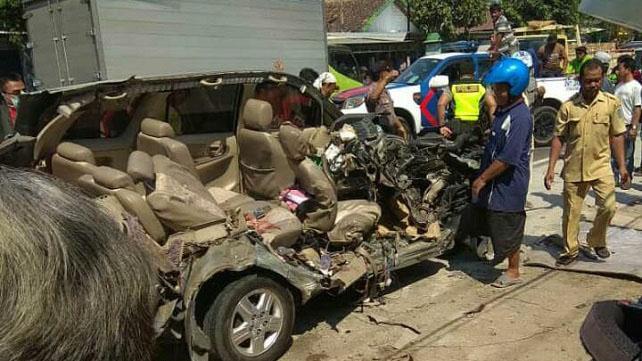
<point>603,336</point>
<point>247,307</point>
<point>544,124</point>
<point>404,123</point>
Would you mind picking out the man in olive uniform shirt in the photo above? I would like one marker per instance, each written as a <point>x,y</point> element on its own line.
<point>588,123</point>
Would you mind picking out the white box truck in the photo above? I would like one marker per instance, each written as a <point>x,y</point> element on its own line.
<point>80,41</point>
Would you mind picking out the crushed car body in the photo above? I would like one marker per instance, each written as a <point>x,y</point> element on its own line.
<point>256,191</point>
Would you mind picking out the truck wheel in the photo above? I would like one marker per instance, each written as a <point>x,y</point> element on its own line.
<point>544,120</point>
<point>251,320</point>
<point>404,123</point>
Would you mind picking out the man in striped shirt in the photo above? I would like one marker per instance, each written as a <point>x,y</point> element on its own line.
<point>503,41</point>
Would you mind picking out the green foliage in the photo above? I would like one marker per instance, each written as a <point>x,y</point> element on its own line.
<point>11,20</point>
<point>563,11</point>
<point>448,16</point>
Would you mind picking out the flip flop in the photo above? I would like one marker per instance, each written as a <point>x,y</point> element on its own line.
<point>504,281</point>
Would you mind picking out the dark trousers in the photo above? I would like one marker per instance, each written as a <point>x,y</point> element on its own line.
<point>505,229</point>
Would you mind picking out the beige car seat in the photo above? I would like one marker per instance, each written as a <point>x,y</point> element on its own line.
<point>264,167</point>
<point>71,161</point>
<point>157,137</point>
<point>182,202</point>
<point>110,181</point>
<point>345,222</point>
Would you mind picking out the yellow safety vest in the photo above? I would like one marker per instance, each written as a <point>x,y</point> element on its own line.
<point>466,96</point>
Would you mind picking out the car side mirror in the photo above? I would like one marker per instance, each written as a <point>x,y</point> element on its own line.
<point>439,81</point>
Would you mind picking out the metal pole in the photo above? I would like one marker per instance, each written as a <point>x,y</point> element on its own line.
<point>408,15</point>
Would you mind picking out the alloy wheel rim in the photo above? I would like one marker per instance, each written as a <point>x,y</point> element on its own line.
<point>257,322</point>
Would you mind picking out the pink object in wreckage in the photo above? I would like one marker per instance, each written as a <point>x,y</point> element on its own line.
<point>293,197</point>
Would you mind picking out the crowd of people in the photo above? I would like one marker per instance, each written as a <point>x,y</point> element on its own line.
<point>598,126</point>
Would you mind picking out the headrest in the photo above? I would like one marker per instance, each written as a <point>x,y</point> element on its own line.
<point>156,128</point>
<point>140,166</point>
<point>75,152</point>
<point>294,143</point>
<point>112,178</point>
<point>257,115</point>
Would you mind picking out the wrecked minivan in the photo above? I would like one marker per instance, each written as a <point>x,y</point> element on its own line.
<point>257,191</point>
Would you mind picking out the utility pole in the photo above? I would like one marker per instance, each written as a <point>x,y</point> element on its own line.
<point>408,15</point>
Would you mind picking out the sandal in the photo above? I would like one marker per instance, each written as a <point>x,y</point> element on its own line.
<point>565,260</point>
<point>505,281</point>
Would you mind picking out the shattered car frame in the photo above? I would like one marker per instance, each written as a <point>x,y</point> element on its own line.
<point>226,263</point>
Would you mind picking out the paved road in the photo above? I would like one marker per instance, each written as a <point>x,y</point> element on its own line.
<point>444,310</point>
<point>541,153</point>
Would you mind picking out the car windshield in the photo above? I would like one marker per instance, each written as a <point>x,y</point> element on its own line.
<point>417,71</point>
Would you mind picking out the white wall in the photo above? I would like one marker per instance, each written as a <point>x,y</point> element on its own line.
<point>391,19</point>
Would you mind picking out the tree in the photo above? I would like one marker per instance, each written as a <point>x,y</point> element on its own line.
<point>11,20</point>
<point>562,11</point>
<point>446,16</point>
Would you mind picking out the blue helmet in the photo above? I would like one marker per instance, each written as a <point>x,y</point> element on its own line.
<point>511,71</point>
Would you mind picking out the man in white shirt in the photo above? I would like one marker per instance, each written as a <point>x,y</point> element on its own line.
<point>629,91</point>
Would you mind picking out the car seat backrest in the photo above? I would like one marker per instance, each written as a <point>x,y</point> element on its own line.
<point>71,161</point>
<point>157,137</point>
<point>311,178</point>
<point>264,168</point>
<point>141,169</point>
<point>179,199</point>
<point>110,181</point>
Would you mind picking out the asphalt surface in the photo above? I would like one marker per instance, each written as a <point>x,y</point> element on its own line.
<point>541,153</point>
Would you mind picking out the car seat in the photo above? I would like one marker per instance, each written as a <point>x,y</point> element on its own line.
<point>345,222</point>
<point>71,161</point>
<point>264,167</point>
<point>182,203</point>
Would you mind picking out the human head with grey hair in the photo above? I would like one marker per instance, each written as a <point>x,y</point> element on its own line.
<point>74,286</point>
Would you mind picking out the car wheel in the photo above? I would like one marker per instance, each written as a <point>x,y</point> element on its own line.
<point>406,125</point>
<point>544,121</point>
<point>251,320</point>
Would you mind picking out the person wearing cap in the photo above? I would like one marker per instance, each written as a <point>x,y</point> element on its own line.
<point>605,59</point>
<point>581,57</point>
<point>552,56</point>
<point>591,126</point>
<point>379,101</point>
<point>500,190</point>
<point>326,83</point>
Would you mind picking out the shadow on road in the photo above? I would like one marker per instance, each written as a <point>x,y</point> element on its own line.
<point>553,199</point>
<point>465,260</point>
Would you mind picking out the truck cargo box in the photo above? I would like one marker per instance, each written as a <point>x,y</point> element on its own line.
<point>79,41</point>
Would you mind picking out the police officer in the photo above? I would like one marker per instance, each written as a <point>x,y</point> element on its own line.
<point>466,95</point>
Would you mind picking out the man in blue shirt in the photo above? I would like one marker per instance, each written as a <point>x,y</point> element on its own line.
<point>499,193</point>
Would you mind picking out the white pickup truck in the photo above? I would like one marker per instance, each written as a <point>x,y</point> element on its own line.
<point>557,91</point>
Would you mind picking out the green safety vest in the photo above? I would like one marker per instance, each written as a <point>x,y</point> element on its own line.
<point>466,96</point>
